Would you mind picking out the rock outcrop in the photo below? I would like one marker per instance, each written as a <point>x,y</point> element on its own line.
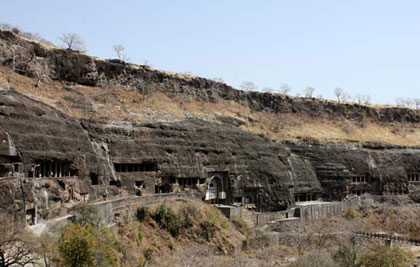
<point>49,160</point>
<point>75,67</point>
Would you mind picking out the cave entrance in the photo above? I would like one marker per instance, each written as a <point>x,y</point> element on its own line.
<point>94,179</point>
<point>215,193</point>
<point>52,168</point>
<point>115,183</point>
<point>248,200</point>
<point>31,218</point>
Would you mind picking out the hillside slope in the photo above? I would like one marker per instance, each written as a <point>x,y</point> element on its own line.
<point>92,88</point>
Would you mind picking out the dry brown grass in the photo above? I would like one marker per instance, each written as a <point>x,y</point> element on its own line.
<point>88,102</point>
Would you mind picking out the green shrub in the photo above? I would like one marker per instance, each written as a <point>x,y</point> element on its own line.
<point>140,237</point>
<point>84,214</point>
<point>167,220</point>
<point>349,214</point>
<point>241,225</point>
<point>382,256</point>
<point>148,255</point>
<point>142,214</point>
<point>208,229</point>
<point>188,216</point>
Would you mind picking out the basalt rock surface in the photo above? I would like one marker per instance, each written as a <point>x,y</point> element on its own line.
<point>187,149</point>
<point>49,160</point>
<point>75,67</point>
<point>350,169</point>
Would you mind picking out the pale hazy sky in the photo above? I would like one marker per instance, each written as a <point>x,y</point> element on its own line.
<point>363,46</point>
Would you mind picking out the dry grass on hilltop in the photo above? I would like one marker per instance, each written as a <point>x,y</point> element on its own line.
<point>98,103</point>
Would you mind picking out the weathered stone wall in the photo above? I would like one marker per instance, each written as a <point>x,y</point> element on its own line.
<point>316,211</point>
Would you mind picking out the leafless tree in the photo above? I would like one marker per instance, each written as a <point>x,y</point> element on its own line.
<point>19,57</point>
<point>120,51</point>
<point>367,99</point>
<point>404,102</point>
<point>322,233</point>
<point>358,99</point>
<point>73,41</point>
<point>218,80</point>
<point>16,248</point>
<point>40,70</point>
<point>6,26</point>
<point>299,236</point>
<point>309,91</point>
<point>345,97</point>
<point>416,102</point>
<point>268,90</point>
<point>339,92</point>
<point>362,99</point>
<point>284,89</point>
<point>248,86</point>
<point>147,64</point>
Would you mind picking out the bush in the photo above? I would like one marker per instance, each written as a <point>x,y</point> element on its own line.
<point>148,255</point>
<point>208,229</point>
<point>189,215</point>
<point>167,220</point>
<point>349,214</point>
<point>382,256</point>
<point>348,127</point>
<point>140,237</point>
<point>84,214</point>
<point>241,225</point>
<point>142,214</point>
<point>84,245</point>
<point>77,245</point>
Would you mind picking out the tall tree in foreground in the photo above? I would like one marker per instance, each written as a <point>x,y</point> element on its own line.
<point>16,247</point>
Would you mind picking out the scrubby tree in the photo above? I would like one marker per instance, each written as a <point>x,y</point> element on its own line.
<point>382,256</point>
<point>300,237</point>
<point>268,90</point>
<point>404,102</point>
<point>40,70</point>
<point>16,244</point>
<point>367,99</point>
<point>218,80</point>
<point>358,98</point>
<point>78,245</point>
<point>72,41</point>
<point>120,51</point>
<point>248,86</point>
<point>284,89</point>
<point>339,92</point>
<point>309,91</point>
<point>416,102</point>
<point>84,214</point>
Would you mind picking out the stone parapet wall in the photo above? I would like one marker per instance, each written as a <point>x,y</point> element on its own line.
<point>109,210</point>
<point>310,213</point>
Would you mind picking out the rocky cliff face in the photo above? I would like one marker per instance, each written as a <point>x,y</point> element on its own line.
<point>75,67</point>
<point>59,155</point>
<point>348,169</point>
<point>49,160</point>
